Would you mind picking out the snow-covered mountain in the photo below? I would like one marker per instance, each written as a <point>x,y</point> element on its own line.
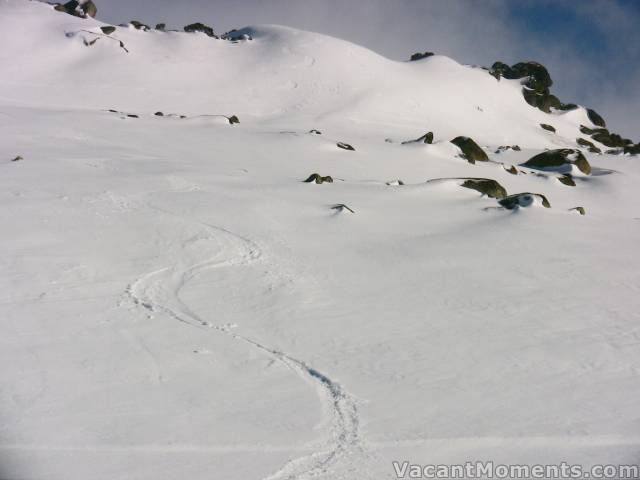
<point>178,302</point>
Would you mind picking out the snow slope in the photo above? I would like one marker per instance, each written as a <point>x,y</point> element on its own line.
<point>177,303</point>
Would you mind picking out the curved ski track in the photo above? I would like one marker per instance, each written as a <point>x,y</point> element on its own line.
<point>160,291</point>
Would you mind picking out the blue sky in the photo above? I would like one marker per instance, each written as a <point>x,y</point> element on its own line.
<point>591,47</point>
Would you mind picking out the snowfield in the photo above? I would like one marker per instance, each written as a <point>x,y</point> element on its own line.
<point>177,303</point>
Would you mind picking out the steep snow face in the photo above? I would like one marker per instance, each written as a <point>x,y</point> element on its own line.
<point>283,75</point>
<point>175,302</point>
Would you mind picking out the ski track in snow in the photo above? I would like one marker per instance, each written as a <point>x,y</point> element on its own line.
<point>159,291</point>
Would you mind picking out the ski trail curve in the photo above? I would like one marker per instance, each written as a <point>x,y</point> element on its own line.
<point>159,291</point>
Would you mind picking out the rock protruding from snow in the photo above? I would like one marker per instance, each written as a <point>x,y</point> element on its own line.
<point>526,199</point>
<point>319,179</point>
<point>561,160</point>
<point>82,9</point>
<point>202,28</point>
<point>595,118</point>
<point>471,151</point>
<point>345,146</point>
<point>420,56</point>
<point>486,186</point>
<point>426,138</point>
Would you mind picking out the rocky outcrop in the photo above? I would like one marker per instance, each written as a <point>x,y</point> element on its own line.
<point>108,30</point>
<point>78,9</point>
<point>420,56</point>
<point>161,27</point>
<point>580,210</point>
<point>548,127</point>
<point>486,186</point>
<point>233,119</point>
<point>536,83</point>
<point>236,36</point>
<point>603,136</point>
<point>595,118</point>
<point>588,145</point>
<point>316,132</point>
<point>319,179</point>
<point>632,149</point>
<point>140,26</point>
<point>345,146</point>
<point>504,148</point>
<point>512,169</point>
<point>202,28</point>
<point>567,180</point>
<point>559,160</point>
<point>426,138</point>
<point>526,199</point>
<point>471,151</point>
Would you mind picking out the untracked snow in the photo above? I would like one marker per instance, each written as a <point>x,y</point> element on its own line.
<point>177,303</point>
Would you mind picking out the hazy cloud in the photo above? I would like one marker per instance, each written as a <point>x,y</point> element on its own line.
<point>591,47</point>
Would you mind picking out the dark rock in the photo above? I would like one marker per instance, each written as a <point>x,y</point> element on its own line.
<point>88,43</point>
<point>632,149</point>
<point>587,144</point>
<point>615,151</point>
<point>317,132</point>
<point>139,25</point>
<point>564,157</point>
<point>237,36</point>
<point>341,207</point>
<point>567,180</point>
<point>159,114</point>
<point>471,151</point>
<point>580,210</point>
<point>200,27</point>
<point>548,127</point>
<point>131,115</point>
<point>523,200</point>
<point>89,8</point>
<point>161,26</point>
<point>595,118</point>
<point>568,106</point>
<point>113,111</point>
<point>319,179</point>
<point>512,169</point>
<point>233,119</point>
<point>420,56</point>
<point>70,7</point>
<point>504,148</point>
<point>486,186</point>
<point>345,146</point>
<point>426,138</point>
<point>17,159</point>
<point>610,139</point>
<point>108,30</point>
<point>395,182</point>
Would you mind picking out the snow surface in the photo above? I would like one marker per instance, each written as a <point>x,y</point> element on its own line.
<point>176,303</point>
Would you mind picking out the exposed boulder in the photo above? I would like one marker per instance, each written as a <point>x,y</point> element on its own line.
<point>567,180</point>
<point>632,149</point>
<point>512,169</point>
<point>395,183</point>
<point>341,207</point>
<point>233,119</point>
<point>587,144</point>
<point>345,146</point>
<point>89,8</point>
<point>317,132</point>
<point>17,159</point>
<point>486,186</point>
<point>426,138</point>
<point>559,160</point>
<point>236,36</point>
<point>139,25</point>
<point>319,179</point>
<point>471,151</point>
<point>504,148</point>
<point>610,139</point>
<point>200,27</point>
<point>595,118</point>
<point>159,114</point>
<point>523,200</point>
<point>132,115</point>
<point>580,210</point>
<point>548,127</point>
<point>108,30</point>
<point>161,26</point>
<point>420,56</point>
